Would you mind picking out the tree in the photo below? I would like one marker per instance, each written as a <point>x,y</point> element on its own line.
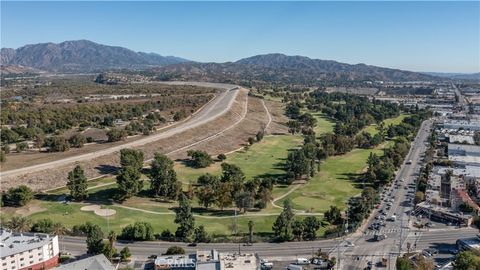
<point>424,263</point>
<point>175,250</point>
<point>223,195</point>
<point>233,174</point>
<point>77,140</point>
<point>297,164</point>
<point>18,196</point>
<point>131,158</point>
<point>77,184</point>
<point>8,136</point>
<point>297,229</point>
<point>221,157</point>
<point>250,231</point>
<point>108,250</point>
<point>94,240</point>
<point>311,224</point>
<point>403,264</point>
<point>208,180</point>
<point>467,260</point>
<point>206,195</point>
<point>294,127</point>
<point>251,140</point>
<point>419,197</point>
<point>129,182</point>
<point>3,156</point>
<point>260,135</point>
<point>163,178</point>
<point>115,135</point>
<point>333,215</point>
<point>139,231</point>
<point>21,146</point>
<point>44,225</point>
<point>125,254</point>
<point>19,224</point>
<point>201,235</point>
<point>244,201</point>
<point>199,159</point>
<point>282,227</point>
<point>184,218</point>
<point>57,144</point>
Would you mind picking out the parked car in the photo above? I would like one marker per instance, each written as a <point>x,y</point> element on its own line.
<point>302,261</point>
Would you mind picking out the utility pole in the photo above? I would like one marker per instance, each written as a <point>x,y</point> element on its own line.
<point>401,232</point>
<point>108,222</point>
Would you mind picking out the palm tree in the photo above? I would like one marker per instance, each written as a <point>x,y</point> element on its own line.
<point>19,224</point>
<point>112,237</point>
<point>250,230</point>
<point>60,230</point>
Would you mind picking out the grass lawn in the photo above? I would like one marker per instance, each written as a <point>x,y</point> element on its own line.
<point>71,215</point>
<point>333,185</point>
<point>265,158</point>
<point>372,129</point>
<point>324,124</point>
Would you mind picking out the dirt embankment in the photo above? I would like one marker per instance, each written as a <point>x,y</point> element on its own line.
<point>226,133</point>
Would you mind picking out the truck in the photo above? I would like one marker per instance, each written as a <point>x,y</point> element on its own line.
<point>302,261</point>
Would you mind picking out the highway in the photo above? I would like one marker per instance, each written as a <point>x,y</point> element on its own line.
<point>215,108</point>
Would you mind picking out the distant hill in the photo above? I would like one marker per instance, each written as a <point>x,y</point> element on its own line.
<point>456,76</point>
<point>283,68</point>
<point>82,56</point>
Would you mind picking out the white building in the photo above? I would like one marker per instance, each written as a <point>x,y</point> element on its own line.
<point>30,251</point>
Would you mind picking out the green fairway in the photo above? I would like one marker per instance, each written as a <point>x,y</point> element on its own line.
<point>265,158</point>
<point>333,184</point>
<point>372,129</point>
<point>324,124</point>
<point>70,215</point>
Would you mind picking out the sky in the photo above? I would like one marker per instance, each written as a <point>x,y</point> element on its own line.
<point>418,36</point>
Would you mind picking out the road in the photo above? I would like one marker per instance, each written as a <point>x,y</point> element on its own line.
<point>215,108</point>
<point>461,98</point>
<point>355,257</point>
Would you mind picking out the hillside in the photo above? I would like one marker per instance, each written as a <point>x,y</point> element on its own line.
<point>288,69</point>
<point>82,56</point>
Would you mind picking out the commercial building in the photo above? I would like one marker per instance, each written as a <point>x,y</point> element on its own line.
<point>30,251</point>
<point>208,260</point>
<point>462,124</point>
<point>97,262</point>
<point>464,154</point>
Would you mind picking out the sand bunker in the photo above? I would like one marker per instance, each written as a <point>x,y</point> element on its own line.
<point>103,212</point>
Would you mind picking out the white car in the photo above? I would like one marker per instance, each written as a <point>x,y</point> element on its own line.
<point>349,244</point>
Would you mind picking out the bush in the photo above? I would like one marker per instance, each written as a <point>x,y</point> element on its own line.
<point>139,231</point>
<point>200,159</point>
<point>43,226</point>
<point>77,140</point>
<point>175,250</point>
<point>21,146</point>
<point>221,157</point>
<point>18,196</point>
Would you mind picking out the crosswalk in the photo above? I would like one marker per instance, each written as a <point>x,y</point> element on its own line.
<point>383,231</point>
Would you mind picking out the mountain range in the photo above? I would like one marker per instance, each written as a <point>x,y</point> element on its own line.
<point>82,56</point>
<point>88,56</point>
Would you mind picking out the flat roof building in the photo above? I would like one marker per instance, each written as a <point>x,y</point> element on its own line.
<point>28,250</point>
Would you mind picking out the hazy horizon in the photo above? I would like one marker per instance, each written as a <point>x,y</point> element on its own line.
<point>416,36</point>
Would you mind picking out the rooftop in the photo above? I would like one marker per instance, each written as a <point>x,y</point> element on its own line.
<point>12,243</point>
<point>97,262</point>
<point>240,262</point>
